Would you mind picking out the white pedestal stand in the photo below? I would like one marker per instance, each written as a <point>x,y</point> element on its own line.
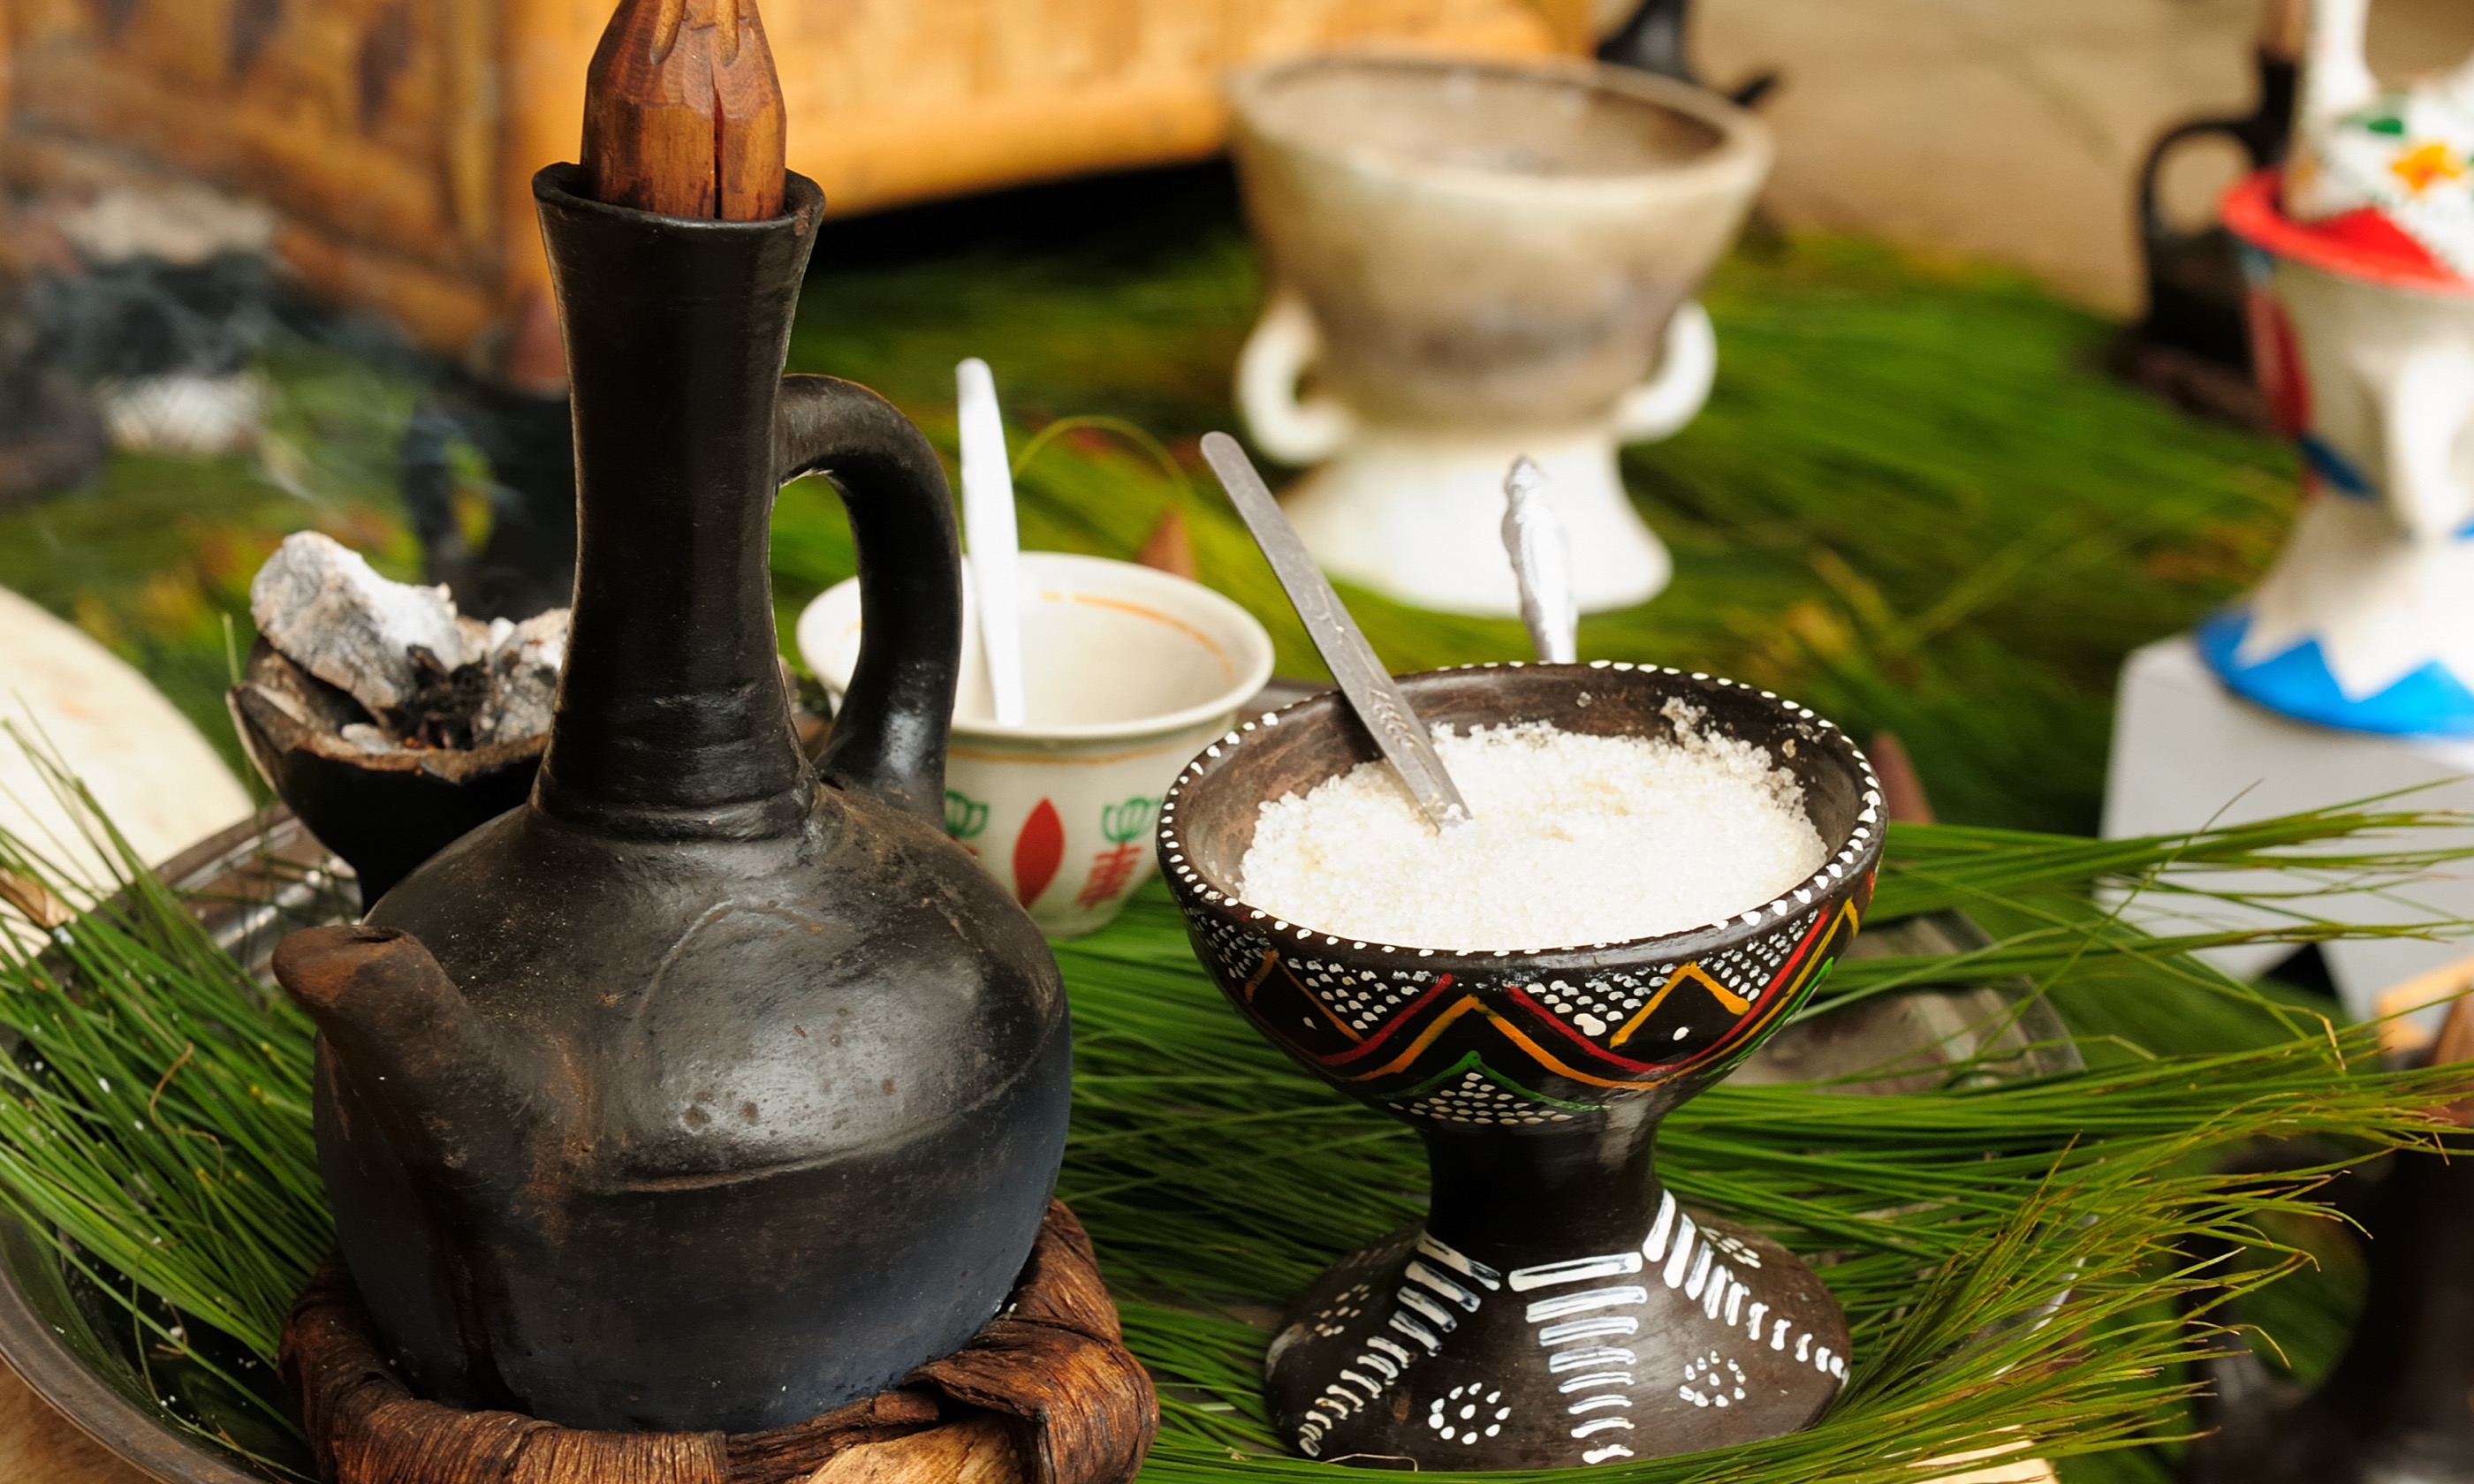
<point>2187,752</point>
<point>1418,515</point>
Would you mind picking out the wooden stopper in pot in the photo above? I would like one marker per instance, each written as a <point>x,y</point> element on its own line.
<point>682,112</point>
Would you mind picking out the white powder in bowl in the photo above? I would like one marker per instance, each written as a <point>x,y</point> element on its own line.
<point>1574,839</point>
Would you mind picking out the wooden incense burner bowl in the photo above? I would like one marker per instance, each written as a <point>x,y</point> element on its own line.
<point>1558,1306</point>
<point>384,813</point>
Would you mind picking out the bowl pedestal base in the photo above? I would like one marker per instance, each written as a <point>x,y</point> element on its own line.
<point>1535,1328</point>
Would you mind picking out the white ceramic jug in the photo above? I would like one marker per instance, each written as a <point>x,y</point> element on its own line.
<point>1475,261</point>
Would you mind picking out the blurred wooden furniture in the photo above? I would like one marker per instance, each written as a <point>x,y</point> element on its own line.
<point>398,137</point>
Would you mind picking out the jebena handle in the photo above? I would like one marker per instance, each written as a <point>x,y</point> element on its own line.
<point>1286,341</point>
<point>889,736</point>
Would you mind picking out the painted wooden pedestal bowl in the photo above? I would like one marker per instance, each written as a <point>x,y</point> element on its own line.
<point>1557,1308</point>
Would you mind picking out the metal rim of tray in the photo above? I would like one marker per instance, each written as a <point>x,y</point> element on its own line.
<point>35,1351</point>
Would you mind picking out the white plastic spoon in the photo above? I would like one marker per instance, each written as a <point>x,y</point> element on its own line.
<point>988,531</point>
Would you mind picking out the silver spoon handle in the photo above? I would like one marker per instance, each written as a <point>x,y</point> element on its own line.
<point>1541,560</point>
<point>1363,680</point>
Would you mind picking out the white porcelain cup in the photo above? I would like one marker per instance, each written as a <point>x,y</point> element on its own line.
<point>1128,673</point>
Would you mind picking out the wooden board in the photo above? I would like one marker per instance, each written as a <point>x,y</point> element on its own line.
<point>373,123</point>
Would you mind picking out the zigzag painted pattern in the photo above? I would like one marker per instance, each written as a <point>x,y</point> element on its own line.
<point>1434,1045</point>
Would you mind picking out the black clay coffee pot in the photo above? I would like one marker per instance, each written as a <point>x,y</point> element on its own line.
<point>2195,335</point>
<point>1652,40</point>
<point>710,1088</point>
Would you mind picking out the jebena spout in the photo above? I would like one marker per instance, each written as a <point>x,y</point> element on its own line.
<point>391,1016</point>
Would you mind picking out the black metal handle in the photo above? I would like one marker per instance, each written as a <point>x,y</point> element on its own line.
<point>2263,134</point>
<point>2153,225</point>
<point>889,737</point>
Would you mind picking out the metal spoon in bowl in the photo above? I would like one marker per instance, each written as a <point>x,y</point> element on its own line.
<point>1364,683</point>
<point>1542,561</point>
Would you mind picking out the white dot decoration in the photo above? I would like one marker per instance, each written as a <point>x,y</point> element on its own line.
<point>1475,1100</point>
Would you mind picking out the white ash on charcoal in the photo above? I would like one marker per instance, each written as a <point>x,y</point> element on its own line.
<point>525,662</point>
<point>428,676</point>
<point>318,602</point>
